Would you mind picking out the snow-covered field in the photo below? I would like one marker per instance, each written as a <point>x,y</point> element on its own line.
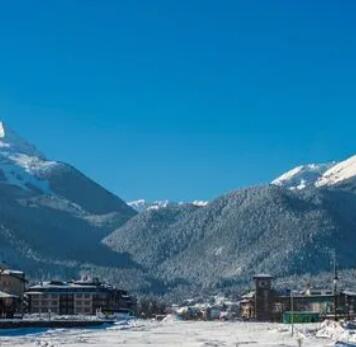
<point>175,333</point>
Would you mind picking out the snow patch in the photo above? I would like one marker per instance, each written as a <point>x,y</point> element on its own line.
<point>219,251</point>
<point>200,203</point>
<point>2,130</point>
<point>32,164</point>
<point>141,205</point>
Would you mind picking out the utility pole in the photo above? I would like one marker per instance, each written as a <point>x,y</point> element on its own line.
<point>292,310</point>
<point>335,282</point>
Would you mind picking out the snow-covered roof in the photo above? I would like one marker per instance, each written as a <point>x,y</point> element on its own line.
<point>33,293</point>
<point>349,293</point>
<point>249,295</point>
<point>4,295</point>
<point>266,276</point>
<point>14,273</point>
<point>59,286</point>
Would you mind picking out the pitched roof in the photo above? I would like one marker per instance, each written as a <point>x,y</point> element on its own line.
<point>349,293</point>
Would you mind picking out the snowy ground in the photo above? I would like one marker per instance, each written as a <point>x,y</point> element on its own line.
<point>170,333</point>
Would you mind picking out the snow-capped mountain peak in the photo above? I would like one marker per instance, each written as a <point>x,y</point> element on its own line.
<point>11,143</point>
<point>339,173</point>
<point>21,164</point>
<point>33,180</point>
<point>319,175</point>
<point>302,176</point>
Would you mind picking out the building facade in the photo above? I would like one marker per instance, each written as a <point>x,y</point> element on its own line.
<point>12,282</point>
<point>77,298</point>
<point>267,304</point>
<point>12,289</point>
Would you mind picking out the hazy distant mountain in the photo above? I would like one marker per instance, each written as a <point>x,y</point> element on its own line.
<point>143,205</point>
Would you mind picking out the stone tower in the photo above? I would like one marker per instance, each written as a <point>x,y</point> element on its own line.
<point>263,297</point>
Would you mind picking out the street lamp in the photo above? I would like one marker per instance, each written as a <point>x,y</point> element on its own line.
<point>292,310</point>
<point>335,282</point>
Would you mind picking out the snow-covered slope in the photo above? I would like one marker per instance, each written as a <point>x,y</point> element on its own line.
<point>320,175</point>
<point>339,173</point>
<point>24,168</point>
<point>10,142</point>
<point>302,176</point>
<point>21,164</point>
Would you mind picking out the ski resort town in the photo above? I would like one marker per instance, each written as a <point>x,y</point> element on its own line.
<point>89,297</point>
<point>88,303</point>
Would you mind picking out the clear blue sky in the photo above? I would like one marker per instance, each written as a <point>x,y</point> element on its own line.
<point>181,99</point>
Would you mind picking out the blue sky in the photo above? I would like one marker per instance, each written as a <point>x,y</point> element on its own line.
<point>181,100</point>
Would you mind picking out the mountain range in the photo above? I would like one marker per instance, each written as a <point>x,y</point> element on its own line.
<point>56,222</point>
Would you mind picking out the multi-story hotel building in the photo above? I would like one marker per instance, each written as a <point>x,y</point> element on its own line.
<point>77,298</point>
